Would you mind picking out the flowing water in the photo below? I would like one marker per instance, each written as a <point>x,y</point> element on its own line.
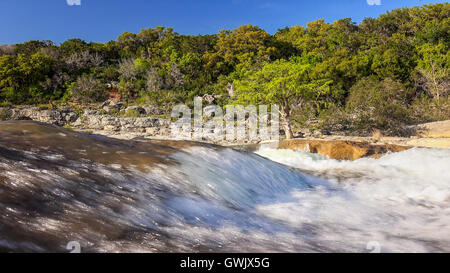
<point>58,186</point>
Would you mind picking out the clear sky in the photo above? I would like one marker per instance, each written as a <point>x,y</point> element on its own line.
<point>104,20</point>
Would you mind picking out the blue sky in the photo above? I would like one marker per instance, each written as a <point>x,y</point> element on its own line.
<point>104,20</point>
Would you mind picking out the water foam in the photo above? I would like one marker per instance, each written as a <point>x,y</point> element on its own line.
<point>212,199</point>
<point>401,200</point>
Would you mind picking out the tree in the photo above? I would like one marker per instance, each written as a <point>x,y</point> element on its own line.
<point>395,59</point>
<point>174,77</point>
<point>433,69</point>
<point>72,46</point>
<point>293,35</point>
<point>21,77</point>
<point>32,47</point>
<point>245,45</point>
<point>375,104</point>
<point>286,83</point>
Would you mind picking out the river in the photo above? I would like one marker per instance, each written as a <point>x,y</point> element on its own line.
<point>58,187</point>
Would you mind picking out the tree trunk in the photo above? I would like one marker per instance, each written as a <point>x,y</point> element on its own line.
<point>286,118</point>
<point>288,131</point>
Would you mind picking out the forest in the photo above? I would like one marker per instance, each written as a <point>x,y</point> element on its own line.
<point>384,73</point>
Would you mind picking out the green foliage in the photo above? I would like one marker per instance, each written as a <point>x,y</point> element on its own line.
<point>424,109</point>
<point>311,72</point>
<point>280,82</point>
<point>44,107</point>
<point>378,104</point>
<point>132,113</point>
<point>239,48</point>
<point>433,69</point>
<point>22,77</point>
<point>286,83</point>
<point>6,104</point>
<point>4,114</point>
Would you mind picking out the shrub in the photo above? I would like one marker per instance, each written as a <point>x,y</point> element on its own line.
<point>335,119</point>
<point>126,90</point>
<point>88,90</point>
<point>4,114</point>
<point>132,113</point>
<point>6,104</point>
<point>114,112</point>
<point>424,109</point>
<point>375,104</point>
<point>44,107</point>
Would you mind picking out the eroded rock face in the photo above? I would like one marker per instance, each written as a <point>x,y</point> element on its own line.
<point>148,125</point>
<point>56,117</point>
<point>340,149</point>
<point>91,120</point>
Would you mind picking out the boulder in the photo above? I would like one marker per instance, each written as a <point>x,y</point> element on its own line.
<point>442,143</point>
<point>438,129</point>
<point>317,134</point>
<point>340,149</point>
<point>152,131</point>
<point>112,104</point>
<point>111,128</point>
<point>153,110</point>
<point>145,122</point>
<point>90,112</point>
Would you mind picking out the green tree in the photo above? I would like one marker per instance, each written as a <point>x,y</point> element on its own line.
<point>21,77</point>
<point>72,46</point>
<point>375,104</point>
<point>244,45</point>
<point>433,69</point>
<point>286,83</point>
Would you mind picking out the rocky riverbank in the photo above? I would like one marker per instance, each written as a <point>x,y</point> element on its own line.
<point>115,120</point>
<point>132,122</point>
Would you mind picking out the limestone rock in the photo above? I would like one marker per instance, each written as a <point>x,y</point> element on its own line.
<point>438,129</point>
<point>153,110</point>
<point>340,149</point>
<point>110,128</point>
<point>152,131</point>
<point>56,117</point>
<point>431,142</point>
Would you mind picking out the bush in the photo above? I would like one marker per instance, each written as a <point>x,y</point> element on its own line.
<point>88,90</point>
<point>335,119</point>
<point>114,112</point>
<point>44,107</point>
<point>425,109</point>
<point>4,114</point>
<point>126,91</point>
<point>5,104</point>
<point>132,113</point>
<point>375,104</point>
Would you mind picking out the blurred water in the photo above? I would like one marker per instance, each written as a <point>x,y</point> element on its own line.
<point>58,186</point>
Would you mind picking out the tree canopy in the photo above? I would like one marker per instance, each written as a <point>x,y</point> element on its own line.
<point>315,66</point>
